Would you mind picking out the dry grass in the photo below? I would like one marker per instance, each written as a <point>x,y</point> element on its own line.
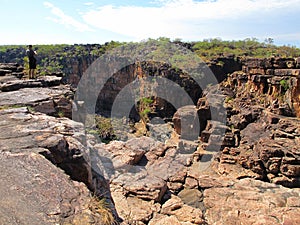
<point>101,207</point>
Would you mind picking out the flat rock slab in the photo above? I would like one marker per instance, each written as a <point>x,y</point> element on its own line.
<point>28,96</point>
<point>16,84</point>
<point>252,202</point>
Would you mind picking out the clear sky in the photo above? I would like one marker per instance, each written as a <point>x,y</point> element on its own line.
<point>98,21</point>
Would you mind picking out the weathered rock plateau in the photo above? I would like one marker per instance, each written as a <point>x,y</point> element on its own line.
<point>244,170</point>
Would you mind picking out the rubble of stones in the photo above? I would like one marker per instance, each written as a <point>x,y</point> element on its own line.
<point>243,170</point>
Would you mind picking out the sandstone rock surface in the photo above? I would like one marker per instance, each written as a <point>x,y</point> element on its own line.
<point>37,152</point>
<point>44,94</point>
<point>46,176</point>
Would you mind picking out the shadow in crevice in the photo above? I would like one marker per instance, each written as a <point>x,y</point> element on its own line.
<point>88,167</point>
<point>102,170</point>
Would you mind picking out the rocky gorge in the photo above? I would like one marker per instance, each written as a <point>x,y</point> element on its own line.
<point>246,171</point>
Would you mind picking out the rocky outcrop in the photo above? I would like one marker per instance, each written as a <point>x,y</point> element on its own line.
<point>257,134</point>
<point>259,99</point>
<point>268,149</point>
<point>45,166</point>
<point>11,68</point>
<point>44,160</point>
<point>154,183</point>
<point>44,94</point>
<point>242,170</point>
<point>249,201</point>
<point>274,81</point>
<point>222,66</point>
<point>36,192</point>
<point>144,189</point>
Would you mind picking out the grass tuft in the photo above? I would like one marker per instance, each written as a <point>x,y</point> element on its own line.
<point>102,208</point>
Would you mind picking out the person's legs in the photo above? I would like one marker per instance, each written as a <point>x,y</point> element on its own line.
<point>33,74</point>
<point>32,66</point>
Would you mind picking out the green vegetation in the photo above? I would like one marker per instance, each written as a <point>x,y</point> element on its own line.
<point>250,47</point>
<point>104,129</point>
<point>144,109</point>
<point>4,107</point>
<point>31,109</point>
<point>61,114</point>
<point>229,99</point>
<point>55,58</point>
<point>207,48</point>
<point>285,85</point>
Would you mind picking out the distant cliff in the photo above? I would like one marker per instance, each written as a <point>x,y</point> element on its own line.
<point>70,61</point>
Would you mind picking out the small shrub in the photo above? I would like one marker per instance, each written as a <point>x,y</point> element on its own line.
<point>284,84</point>
<point>220,63</point>
<point>93,132</point>
<point>30,109</point>
<point>3,107</point>
<point>105,129</point>
<point>228,99</point>
<point>61,114</point>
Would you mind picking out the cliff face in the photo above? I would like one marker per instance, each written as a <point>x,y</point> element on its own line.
<point>74,68</point>
<point>296,97</point>
<point>138,71</point>
<point>273,82</point>
<point>262,104</point>
<point>223,66</point>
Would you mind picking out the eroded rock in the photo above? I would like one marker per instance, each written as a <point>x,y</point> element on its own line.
<point>41,191</point>
<point>265,204</point>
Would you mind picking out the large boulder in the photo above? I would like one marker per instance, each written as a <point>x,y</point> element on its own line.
<point>45,166</point>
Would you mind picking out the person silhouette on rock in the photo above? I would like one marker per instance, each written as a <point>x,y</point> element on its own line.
<point>32,61</point>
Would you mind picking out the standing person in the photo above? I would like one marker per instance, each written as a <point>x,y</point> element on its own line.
<point>32,61</point>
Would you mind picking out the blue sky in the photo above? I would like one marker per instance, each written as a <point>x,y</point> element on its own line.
<point>88,21</point>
